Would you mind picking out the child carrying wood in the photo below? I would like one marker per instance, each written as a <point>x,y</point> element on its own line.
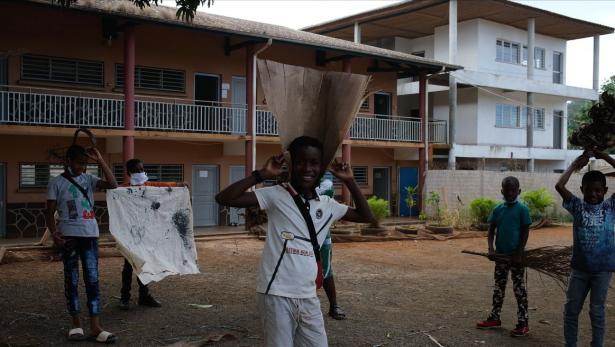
<point>593,249</point>
<point>290,270</point>
<point>509,225</point>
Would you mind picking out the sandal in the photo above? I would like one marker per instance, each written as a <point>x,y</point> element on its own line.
<point>76,334</point>
<point>337,313</point>
<point>104,337</point>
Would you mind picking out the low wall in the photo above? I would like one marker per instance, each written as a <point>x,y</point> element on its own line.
<point>467,185</point>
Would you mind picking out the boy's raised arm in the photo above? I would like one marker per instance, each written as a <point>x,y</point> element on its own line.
<point>236,194</point>
<point>109,181</point>
<point>577,164</point>
<point>361,213</point>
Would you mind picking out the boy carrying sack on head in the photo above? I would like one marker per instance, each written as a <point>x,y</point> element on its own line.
<point>593,249</point>
<point>509,225</point>
<point>298,220</point>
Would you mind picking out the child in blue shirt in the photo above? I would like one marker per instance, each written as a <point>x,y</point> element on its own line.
<point>593,250</point>
<point>511,219</point>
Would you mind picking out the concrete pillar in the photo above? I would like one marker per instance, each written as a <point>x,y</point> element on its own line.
<point>250,93</point>
<point>531,35</point>
<point>128,150</point>
<point>596,77</point>
<point>346,148</point>
<point>452,83</point>
<point>357,32</point>
<point>423,151</point>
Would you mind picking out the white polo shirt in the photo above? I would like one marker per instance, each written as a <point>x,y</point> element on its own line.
<point>288,267</point>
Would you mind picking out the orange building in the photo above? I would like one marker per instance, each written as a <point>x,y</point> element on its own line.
<point>193,110</point>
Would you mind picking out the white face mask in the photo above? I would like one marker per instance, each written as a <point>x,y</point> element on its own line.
<point>138,178</point>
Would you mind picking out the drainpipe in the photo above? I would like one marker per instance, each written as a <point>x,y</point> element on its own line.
<point>251,110</point>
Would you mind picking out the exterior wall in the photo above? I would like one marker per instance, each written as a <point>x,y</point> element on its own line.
<point>467,131</point>
<point>467,44</point>
<point>425,43</point>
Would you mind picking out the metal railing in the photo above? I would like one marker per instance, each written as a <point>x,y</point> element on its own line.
<point>438,131</point>
<point>54,107</point>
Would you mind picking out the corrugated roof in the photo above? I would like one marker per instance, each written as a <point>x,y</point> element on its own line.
<point>251,29</point>
<point>417,18</point>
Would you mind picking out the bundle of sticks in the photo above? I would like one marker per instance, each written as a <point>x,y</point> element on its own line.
<point>599,132</point>
<point>552,261</point>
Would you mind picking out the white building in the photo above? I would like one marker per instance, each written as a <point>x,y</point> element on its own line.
<point>491,96</point>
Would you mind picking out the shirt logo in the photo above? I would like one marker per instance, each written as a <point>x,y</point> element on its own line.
<point>287,235</point>
<point>319,214</point>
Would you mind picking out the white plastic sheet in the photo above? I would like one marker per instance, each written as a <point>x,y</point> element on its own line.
<point>153,230</point>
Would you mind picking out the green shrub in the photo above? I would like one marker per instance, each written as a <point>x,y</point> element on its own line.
<point>434,201</point>
<point>537,201</point>
<point>380,209</point>
<point>481,209</point>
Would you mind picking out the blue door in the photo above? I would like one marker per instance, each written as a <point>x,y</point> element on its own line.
<point>408,176</point>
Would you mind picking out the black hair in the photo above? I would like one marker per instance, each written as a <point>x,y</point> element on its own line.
<point>304,141</point>
<point>510,180</point>
<point>593,176</point>
<point>75,152</point>
<point>132,164</point>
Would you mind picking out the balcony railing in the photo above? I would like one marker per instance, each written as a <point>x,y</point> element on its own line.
<point>38,106</point>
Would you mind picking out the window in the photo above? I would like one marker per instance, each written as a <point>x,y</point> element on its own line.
<point>539,118</point>
<point>43,68</point>
<point>558,66</point>
<point>37,175</point>
<point>507,52</point>
<point>365,104</point>
<point>419,54</point>
<point>155,172</point>
<point>539,57</point>
<point>153,78</point>
<point>514,116</point>
<point>359,173</point>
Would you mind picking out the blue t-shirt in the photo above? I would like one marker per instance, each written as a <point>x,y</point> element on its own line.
<point>593,248</point>
<point>75,213</point>
<point>509,218</point>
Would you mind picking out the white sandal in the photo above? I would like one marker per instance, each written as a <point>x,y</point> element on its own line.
<point>103,337</point>
<point>76,334</point>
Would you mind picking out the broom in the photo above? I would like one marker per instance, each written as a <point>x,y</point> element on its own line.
<point>552,261</point>
<point>599,132</point>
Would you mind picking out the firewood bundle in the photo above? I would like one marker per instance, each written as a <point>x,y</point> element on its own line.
<point>599,133</point>
<point>553,261</point>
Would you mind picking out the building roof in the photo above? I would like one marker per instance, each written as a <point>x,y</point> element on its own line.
<point>418,18</point>
<point>247,29</point>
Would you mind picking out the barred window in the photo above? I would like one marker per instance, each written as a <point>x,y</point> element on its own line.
<point>507,52</point>
<point>153,78</point>
<point>155,172</point>
<point>63,70</point>
<point>37,175</point>
<point>359,173</point>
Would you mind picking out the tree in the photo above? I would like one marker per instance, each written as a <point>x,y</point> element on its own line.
<point>186,9</point>
<point>578,110</point>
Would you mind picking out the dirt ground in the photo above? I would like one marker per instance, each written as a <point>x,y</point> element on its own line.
<point>391,291</point>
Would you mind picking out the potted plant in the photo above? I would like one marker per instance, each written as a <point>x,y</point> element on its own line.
<point>410,202</point>
<point>380,210</point>
<point>438,225</point>
<point>538,201</point>
<point>481,209</point>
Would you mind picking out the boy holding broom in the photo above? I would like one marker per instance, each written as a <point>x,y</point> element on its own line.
<point>511,219</point>
<point>593,249</point>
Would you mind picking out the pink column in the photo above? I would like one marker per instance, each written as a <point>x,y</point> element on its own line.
<point>422,159</point>
<point>129,94</point>
<point>250,109</point>
<point>346,149</point>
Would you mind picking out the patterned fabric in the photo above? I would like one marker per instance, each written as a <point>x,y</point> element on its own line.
<point>501,277</point>
<point>86,249</point>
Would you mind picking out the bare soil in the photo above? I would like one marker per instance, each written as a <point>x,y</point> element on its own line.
<point>391,291</point>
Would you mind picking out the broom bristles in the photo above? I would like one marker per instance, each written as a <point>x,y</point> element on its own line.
<point>552,261</point>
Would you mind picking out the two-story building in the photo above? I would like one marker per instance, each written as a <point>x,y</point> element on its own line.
<point>182,96</point>
<point>514,59</point>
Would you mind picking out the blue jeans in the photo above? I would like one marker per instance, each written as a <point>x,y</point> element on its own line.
<point>581,283</point>
<point>86,249</point>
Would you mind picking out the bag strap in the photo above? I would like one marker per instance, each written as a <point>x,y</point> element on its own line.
<point>83,191</point>
<point>305,212</point>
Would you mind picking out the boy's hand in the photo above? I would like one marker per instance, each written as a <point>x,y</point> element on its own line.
<point>580,162</point>
<point>273,167</point>
<point>601,155</point>
<point>94,154</point>
<point>342,170</point>
<point>491,255</point>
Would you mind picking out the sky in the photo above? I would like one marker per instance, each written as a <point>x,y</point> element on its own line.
<point>301,13</point>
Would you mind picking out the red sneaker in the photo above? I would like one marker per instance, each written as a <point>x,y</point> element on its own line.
<point>489,324</point>
<point>520,331</point>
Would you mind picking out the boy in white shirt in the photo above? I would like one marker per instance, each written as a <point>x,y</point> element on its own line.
<point>287,300</point>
